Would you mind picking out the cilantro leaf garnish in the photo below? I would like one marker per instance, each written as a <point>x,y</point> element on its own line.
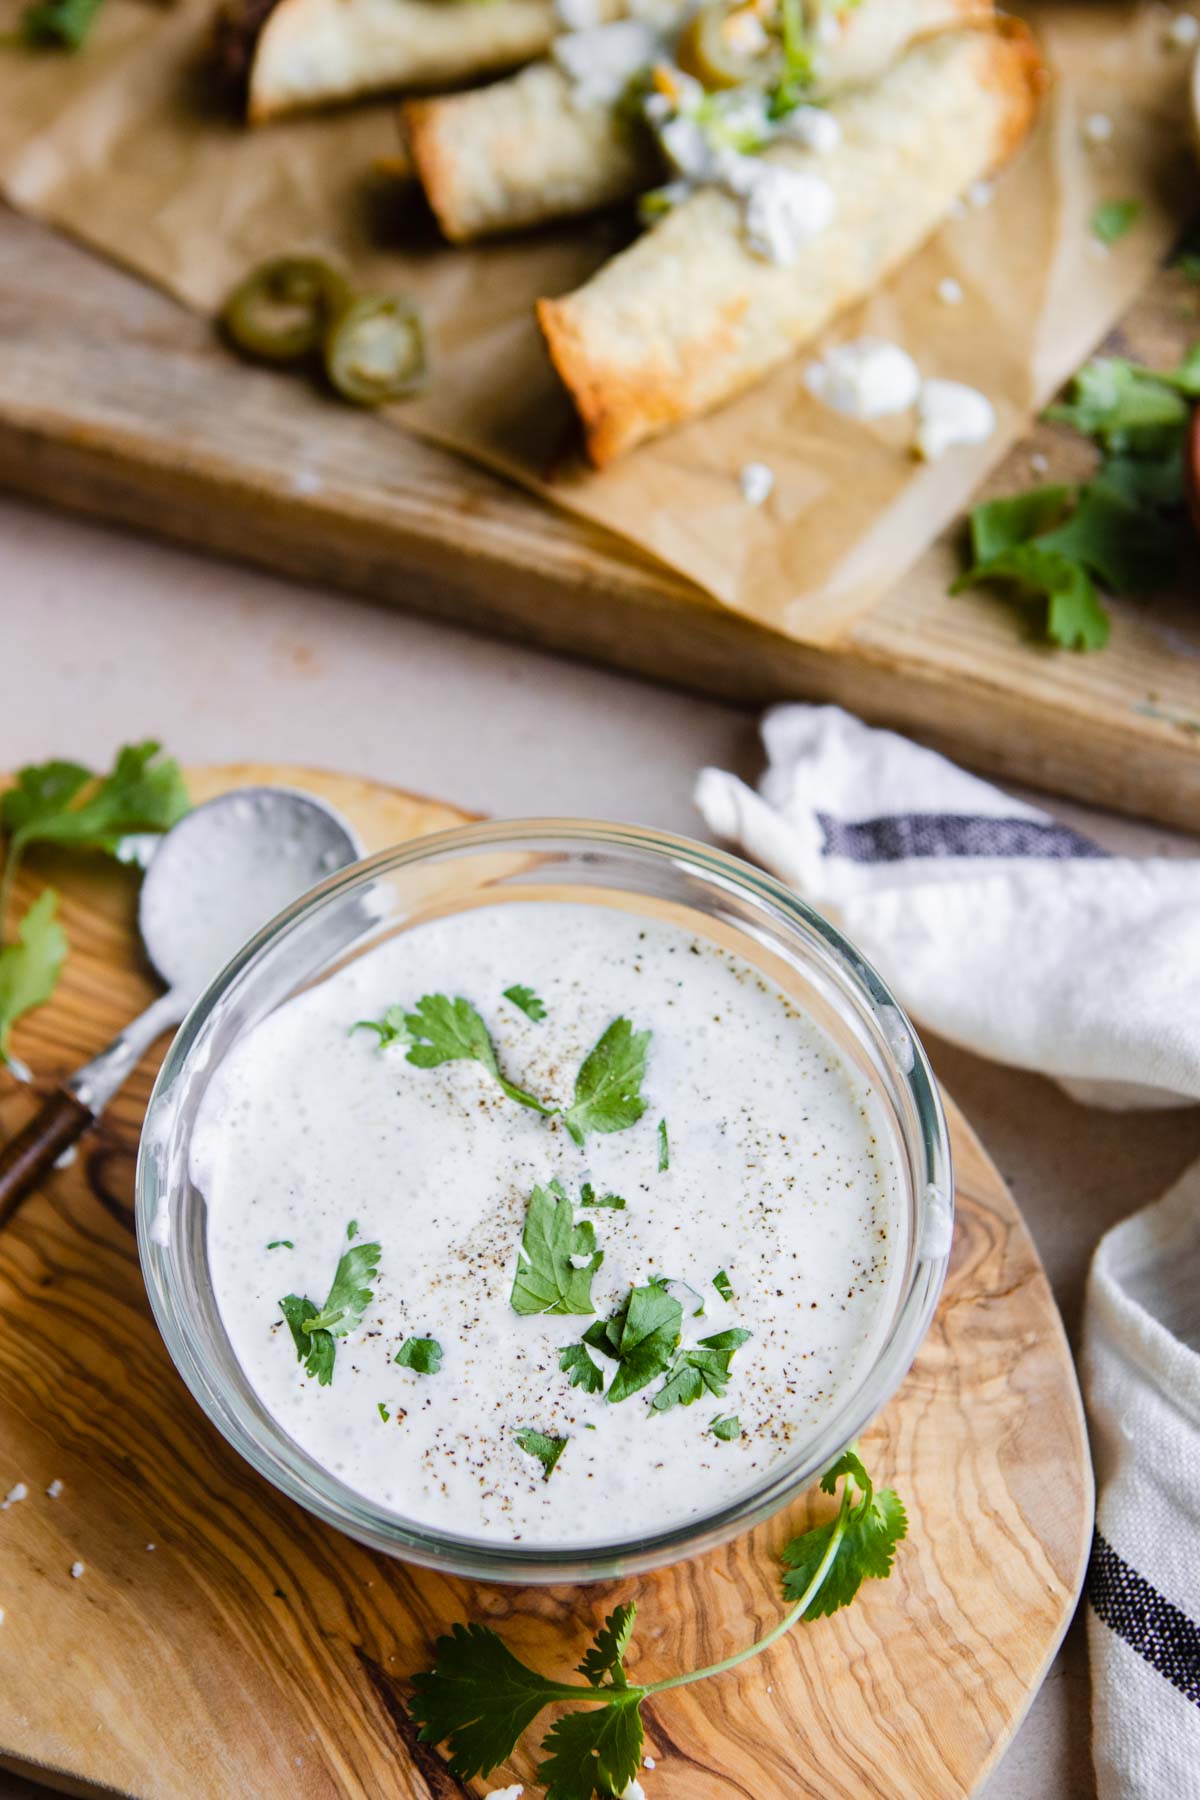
<point>390,1029</point>
<point>723,1286</point>
<point>726,1429</point>
<point>640,1337</point>
<point>608,1086</point>
<point>65,803</point>
<point>703,1369</point>
<point>1113,218</point>
<point>382,1410</point>
<point>871,1529</point>
<point>584,1372</point>
<point>530,1004</point>
<point>1074,615</point>
<point>422,1354</point>
<point>31,965</point>
<point>547,1449</point>
<point>349,1296</point>
<point>58,24</point>
<point>481,1699</point>
<point>548,1279</point>
<point>445,1030</point>
<point>315,1349</point>
<point>589,1197</point>
<point>664,1147</point>
<point>281,1244</point>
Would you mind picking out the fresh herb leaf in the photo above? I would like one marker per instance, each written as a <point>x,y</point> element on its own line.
<point>349,1296</point>
<point>1128,548</point>
<point>723,1286</point>
<point>1125,406</point>
<point>390,1029</point>
<point>529,1003</point>
<point>59,24</point>
<point>445,1030</point>
<point>608,1086</point>
<point>664,1147</point>
<point>584,1372</point>
<point>315,1349</point>
<point>281,1244</point>
<point>548,1280</point>
<point>352,1229</point>
<point>65,803</point>
<point>726,1429</point>
<point>1074,618</point>
<point>384,1414</point>
<point>589,1197</point>
<point>871,1529</point>
<point>1113,218</point>
<point>546,1449</point>
<point>640,1336</point>
<point>704,1369</point>
<point>31,965</point>
<point>422,1354</point>
<point>480,1698</point>
<point>605,1658</point>
<point>1000,525</point>
<point>593,1752</point>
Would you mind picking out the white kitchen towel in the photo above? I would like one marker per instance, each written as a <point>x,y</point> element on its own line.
<point>1141,1376</point>
<point>995,926</point>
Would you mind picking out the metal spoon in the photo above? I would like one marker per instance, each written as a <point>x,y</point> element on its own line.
<point>216,877</point>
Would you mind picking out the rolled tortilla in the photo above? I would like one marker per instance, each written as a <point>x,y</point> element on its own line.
<point>530,149</point>
<point>315,52</point>
<point>689,315</point>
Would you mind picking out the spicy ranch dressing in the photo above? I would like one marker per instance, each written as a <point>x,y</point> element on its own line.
<point>759,1184</point>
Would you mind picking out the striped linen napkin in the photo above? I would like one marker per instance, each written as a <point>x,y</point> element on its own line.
<point>1024,941</point>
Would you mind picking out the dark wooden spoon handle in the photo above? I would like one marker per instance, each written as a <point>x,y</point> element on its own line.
<point>58,1123</point>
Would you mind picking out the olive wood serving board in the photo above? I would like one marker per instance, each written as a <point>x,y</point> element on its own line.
<point>116,402</point>
<point>254,1651</point>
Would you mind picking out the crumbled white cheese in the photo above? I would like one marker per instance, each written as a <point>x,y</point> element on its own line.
<point>745,34</point>
<point>813,127</point>
<point>957,209</point>
<point>155,1547</point>
<point>1038,463</point>
<point>508,1793</point>
<point>686,146</point>
<point>950,291</point>
<point>1097,128</point>
<point>19,1492</point>
<point>1,1615</point>
<point>635,1791</point>
<point>601,60</point>
<point>647,1762</point>
<point>979,194</point>
<point>1184,31</point>
<point>784,209</point>
<point>55,1489</point>
<point>76,1570</point>
<point>756,481</point>
<point>577,15</point>
<point>948,414</point>
<point>865,379</point>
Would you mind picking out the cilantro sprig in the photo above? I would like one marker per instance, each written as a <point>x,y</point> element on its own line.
<point>529,1003</point>
<point>640,1337</point>
<point>30,966</point>
<point>480,1699</point>
<point>1120,530</point>
<point>557,1258</point>
<point>443,1030</point>
<point>315,1329</point>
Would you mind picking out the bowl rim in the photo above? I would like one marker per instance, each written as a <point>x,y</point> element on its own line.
<point>298,1476</point>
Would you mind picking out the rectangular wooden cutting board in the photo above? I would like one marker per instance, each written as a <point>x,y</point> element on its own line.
<point>115,402</point>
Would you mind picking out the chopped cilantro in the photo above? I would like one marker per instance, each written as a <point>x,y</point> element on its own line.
<point>726,1429</point>
<point>444,1030</point>
<point>529,1002</point>
<point>608,1086</point>
<point>589,1197</point>
<point>281,1244</point>
<point>390,1029</point>
<point>704,1369</point>
<point>640,1337</point>
<point>31,965</point>
<point>723,1286</point>
<point>352,1229</point>
<point>314,1332</point>
<point>546,1449</point>
<point>481,1699</point>
<point>384,1414</point>
<point>584,1372</point>
<point>58,24</point>
<point>664,1148</point>
<point>557,1258</point>
<point>422,1354</point>
<point>314,1348</point>
<point>1113,218</point>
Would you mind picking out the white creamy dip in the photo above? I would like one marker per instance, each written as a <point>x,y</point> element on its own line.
<point>781,1173</point>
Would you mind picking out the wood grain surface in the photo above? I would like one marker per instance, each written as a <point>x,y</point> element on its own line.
<point>117,403</point>
<point>220,1642</point>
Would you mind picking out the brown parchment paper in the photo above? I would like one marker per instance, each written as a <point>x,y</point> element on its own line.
<point>125,147</point>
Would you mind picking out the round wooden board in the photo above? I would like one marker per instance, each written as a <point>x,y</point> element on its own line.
<point>253,1651</point>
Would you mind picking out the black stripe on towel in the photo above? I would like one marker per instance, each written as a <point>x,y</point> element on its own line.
<point>896,837</point>
<point>1162,1635</point>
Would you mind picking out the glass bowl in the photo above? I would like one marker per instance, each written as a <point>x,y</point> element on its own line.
<point>712,893</point>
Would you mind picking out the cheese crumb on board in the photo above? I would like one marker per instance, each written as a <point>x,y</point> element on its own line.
<point>1097,128</point>
<point>865,379</point>
<point>77,1569</point>
<point>1184,31</point>
<point>756,481</point>
<point>55,1489</point>
<point>18,1492</point>
<point>950,414</point>
<point>950,291</point>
